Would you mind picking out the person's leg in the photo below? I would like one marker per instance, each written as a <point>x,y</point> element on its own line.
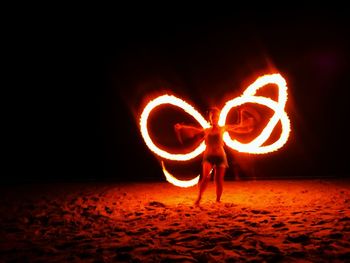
<point>219,181</point>
<point>204,181</point>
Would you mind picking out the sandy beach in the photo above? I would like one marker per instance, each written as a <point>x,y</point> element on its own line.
<point>257,221</point>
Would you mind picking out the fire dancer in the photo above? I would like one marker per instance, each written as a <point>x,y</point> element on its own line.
<point>214,156</point>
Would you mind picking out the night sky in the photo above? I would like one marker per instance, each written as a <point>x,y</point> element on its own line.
<point>105,67</point>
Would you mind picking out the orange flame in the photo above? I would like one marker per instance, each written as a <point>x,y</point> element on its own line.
<point>248,96</point>
<point>168,99</point>
<point>279,115</point>
<point>171,179</point>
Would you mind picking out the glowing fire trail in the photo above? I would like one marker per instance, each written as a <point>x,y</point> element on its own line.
<point>171,179</point>
<point>168,99</point>
<point>279,115</point>
<point>248,96</point>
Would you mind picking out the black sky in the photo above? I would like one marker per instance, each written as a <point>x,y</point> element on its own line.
<point>104,67</point>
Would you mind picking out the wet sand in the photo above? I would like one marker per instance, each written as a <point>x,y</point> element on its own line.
<point>257,221</point>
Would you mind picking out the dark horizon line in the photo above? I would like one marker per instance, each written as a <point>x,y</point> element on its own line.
<point>153,180</point>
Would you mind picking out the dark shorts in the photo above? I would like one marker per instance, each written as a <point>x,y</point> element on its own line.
<point>216,160</point>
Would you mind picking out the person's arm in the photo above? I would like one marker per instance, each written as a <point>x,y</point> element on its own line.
<point>247,120</point>
<point>187,131</point>
<point>245,126</point>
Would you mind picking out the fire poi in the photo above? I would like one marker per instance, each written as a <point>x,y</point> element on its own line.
<point>255,146</point>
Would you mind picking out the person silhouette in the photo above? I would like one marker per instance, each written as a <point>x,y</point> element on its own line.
<point>214,157</point>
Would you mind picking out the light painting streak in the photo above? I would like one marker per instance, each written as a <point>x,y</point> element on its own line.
<point>255,146</point>
<point>169,99</point>
<point>181,183</point>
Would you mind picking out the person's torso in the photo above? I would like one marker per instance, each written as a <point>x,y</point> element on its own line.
<point>214,141</point>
